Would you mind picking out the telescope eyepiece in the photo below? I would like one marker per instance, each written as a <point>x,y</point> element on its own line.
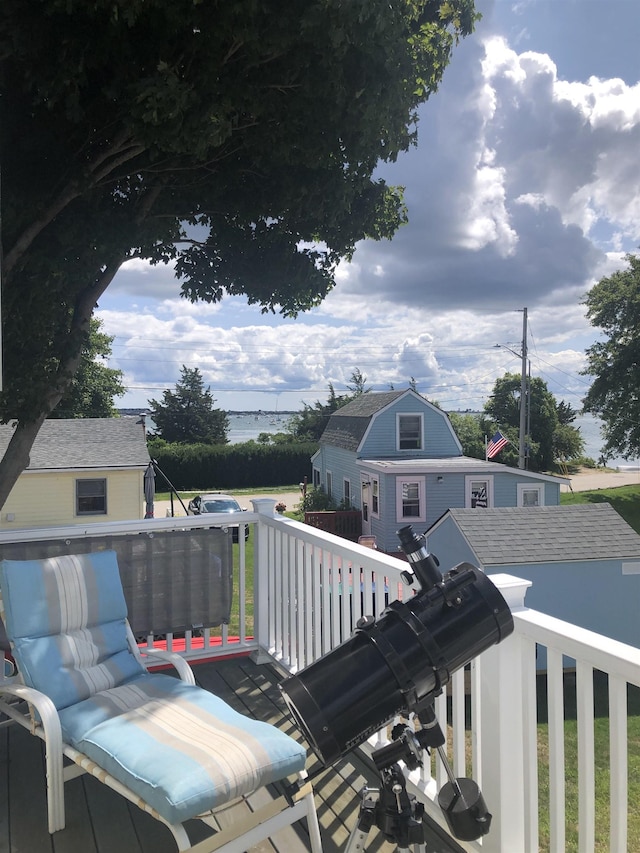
<point>424,564</point>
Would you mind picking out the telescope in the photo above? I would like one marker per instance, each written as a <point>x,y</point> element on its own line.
<point>397,664</point>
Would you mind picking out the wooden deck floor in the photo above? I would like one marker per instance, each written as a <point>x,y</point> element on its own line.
<point>100,821</point>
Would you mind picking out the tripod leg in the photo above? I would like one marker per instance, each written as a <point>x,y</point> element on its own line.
<point>366,818</point>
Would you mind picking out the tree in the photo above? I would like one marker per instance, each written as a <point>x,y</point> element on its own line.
<point>548,439</point>
<point>92,389</point>
<point>613,305</point>
<point>358,384</point>
<point>187,415</point>
<point>235,140</point>
<point>311,422</point>
<point>471,431</point>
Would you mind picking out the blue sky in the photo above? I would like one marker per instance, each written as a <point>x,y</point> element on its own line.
<point>524,190</point>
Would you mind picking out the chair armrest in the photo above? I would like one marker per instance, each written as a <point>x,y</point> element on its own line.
<point>51,732</point>
<point>182,667</point>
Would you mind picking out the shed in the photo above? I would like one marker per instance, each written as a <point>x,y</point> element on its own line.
<point>583,560</point>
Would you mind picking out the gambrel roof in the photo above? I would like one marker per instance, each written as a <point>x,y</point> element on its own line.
<point>348,425</point>
<point>85,443</point>
<point>511,536</point>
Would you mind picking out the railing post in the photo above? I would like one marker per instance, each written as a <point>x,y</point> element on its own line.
<point>263,507</point>
<point>502,732</point>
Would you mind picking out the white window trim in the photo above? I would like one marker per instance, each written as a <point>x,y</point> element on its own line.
<point>400,481</point>
<point>529,487</point>
<point>418,415</point>
<point>328,479</point>
<point>346,490</point>
<point>468,480</point>
<point>376,513</point>
<point>315,476</point>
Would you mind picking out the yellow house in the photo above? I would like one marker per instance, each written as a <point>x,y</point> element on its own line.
<point>81,470</point>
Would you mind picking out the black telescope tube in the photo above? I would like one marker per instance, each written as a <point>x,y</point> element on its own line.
<point>396,662</point>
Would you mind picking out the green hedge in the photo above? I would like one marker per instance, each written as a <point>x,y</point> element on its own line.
<point>233,466</point>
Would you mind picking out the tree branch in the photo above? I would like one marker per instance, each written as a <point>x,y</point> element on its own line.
<point>73,190</point>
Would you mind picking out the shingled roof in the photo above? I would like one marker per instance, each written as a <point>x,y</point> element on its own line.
<point>85,443</point>
<point>347,425</point>
<point>549,534</point>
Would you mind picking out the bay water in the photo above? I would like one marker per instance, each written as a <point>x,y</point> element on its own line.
<point>247,426</point>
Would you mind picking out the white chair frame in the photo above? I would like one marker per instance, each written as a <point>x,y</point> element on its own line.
<point>257,826</point>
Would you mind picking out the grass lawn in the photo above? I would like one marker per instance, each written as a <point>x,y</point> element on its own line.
<point>624,499</point>
<point>601,737</point>
<point>601,741</point>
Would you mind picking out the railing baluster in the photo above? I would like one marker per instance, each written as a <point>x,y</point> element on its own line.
<point>618,757</point>
<point>530,745</point>
<point>555,698</point>
<point>586,762</point>
<point>458,722</point>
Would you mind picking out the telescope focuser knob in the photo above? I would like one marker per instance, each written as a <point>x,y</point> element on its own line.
<point>407,577</point>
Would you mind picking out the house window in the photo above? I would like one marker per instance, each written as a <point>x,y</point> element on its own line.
<point>530,495</point>
<point>410,499</point>
<point>91,497</point>
<point>409,432</point>
<point>478,492</point>
<point>375,496</point>
<point>316,478</point>
<point>346,492</point>
<point>329,483</point>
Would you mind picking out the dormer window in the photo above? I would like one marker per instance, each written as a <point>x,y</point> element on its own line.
<point>409,432</point>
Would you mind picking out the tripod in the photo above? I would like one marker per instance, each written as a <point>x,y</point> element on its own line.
<point>396,813</point>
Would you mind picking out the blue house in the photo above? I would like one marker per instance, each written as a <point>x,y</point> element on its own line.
<point>395,456</point>
<point>583,561</point>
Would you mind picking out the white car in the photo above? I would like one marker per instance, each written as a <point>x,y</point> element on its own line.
<point>217,502</point>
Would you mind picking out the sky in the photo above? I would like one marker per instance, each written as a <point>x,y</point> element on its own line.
<point>523,191</point>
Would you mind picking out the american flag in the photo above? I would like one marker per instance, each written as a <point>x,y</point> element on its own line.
<point>496,444</point>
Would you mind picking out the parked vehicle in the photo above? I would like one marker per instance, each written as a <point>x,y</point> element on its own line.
<point>217,502</point>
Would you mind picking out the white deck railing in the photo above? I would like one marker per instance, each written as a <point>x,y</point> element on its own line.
<point>302,613</point>
<point>304,582</point>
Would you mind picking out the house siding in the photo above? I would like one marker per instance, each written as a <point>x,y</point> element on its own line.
<point>450,491</point>
<point>595,595</point>
<point>43,499</point>
<point>438,438</point>
<point>450,546</point>
<point>342,464</point>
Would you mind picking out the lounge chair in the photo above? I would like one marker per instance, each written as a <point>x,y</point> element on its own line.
<point>172,748</point>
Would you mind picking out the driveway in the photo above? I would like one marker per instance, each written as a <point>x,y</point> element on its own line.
<point>290,499</point>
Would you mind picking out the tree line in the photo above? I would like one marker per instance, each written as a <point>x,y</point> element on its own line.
<point>188,414</point>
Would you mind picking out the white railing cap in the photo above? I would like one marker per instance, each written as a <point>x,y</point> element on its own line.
<point>513,589</point>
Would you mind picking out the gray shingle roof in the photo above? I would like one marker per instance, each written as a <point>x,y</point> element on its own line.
<point>512,535</point>
<point>85,443</point>
<point>347,426</point>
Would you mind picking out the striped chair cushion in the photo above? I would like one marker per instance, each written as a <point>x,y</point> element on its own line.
<point>66,619</point>
<point>181,749</point>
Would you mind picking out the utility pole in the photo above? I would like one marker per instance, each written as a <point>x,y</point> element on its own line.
<point>522,450</point>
